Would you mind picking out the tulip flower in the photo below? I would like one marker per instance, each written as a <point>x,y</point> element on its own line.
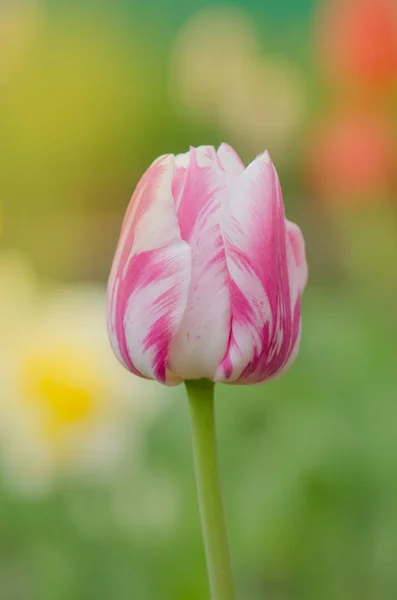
<point>208,273</point>
<point>351,158</point>
<point>357,42</point>
<point>205,287</point>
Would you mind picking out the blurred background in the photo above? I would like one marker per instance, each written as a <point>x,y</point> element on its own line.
<point>97,492</point>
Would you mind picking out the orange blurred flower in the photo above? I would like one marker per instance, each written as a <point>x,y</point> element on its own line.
<point>352,157</point>
<point>358,41</point>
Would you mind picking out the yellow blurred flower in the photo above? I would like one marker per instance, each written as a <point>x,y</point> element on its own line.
<point>219,74</point>
<point>19,25</point>
<point>266,107</point>
<point>211,51</point>
<point>66,406</point>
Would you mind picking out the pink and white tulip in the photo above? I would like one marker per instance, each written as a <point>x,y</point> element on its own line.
<point>208,274</point>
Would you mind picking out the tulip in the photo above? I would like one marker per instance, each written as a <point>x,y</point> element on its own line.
<point>206,286</point>
<point>208,273</point>
<point>357,43</point>
<point>351,158</point>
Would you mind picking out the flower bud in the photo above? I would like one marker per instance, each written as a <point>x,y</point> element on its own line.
<point>208,273</point>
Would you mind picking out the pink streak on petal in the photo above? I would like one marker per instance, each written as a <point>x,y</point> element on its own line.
<point>179,180</point>
<point>298,248</point>
<point>202,338</point>
<point>262,267</point>
<point>117,289</point>
<point>150,276</point>
<point>153,305</point>
<point>230,160</point>
<point>196,193</point>
<point>137,269</point>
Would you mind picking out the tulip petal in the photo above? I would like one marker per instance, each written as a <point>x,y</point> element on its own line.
<point>230,160</point>
<point>297,242</point>
<point>261,262</point>
<point>150,277</point>
<point>203,335</point>
<point>178,183</point>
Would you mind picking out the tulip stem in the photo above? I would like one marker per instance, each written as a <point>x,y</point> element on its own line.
<point>201,401</point>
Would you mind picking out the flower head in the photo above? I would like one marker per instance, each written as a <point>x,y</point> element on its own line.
<point>351,158</point>
<point>358,42</point>
<point>66,407</point>
<point>208,273</point>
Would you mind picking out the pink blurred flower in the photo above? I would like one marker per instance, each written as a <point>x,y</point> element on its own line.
<point>352,156</point>
<point>208,273</point>
<point>358,41</point>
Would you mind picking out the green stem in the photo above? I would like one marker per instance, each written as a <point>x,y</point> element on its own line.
<point>201,400</point>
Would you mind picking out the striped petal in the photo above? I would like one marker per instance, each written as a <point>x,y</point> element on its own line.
<point>179,180</point>
<point>203,335</point>
<point>149,281</point>
<point>262,267</point>
<point>295,239</point>
<point>230,160</point>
